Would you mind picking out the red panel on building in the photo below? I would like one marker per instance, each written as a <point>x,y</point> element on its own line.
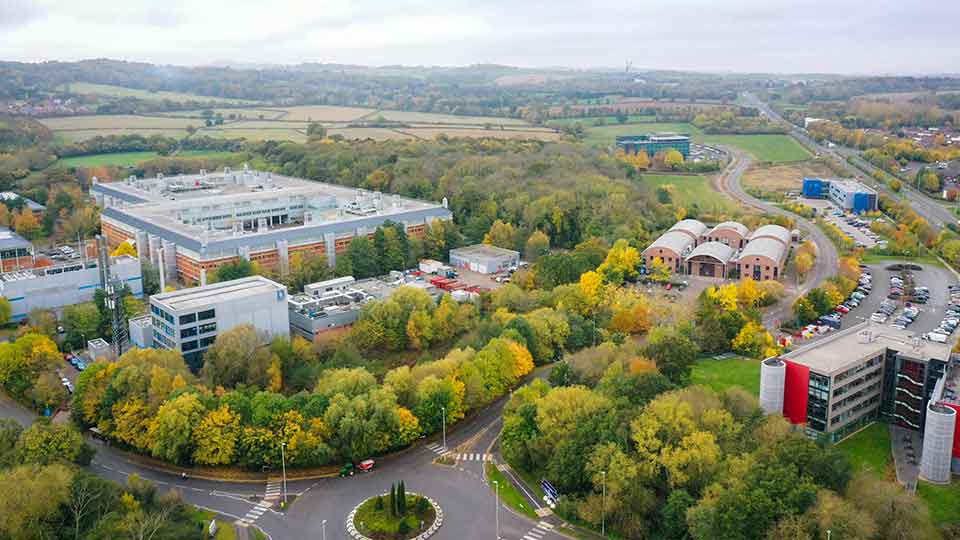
<point>795,392</point>
<point>956,430</point>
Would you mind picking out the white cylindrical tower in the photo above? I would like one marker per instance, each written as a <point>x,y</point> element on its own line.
<point>773,374</point>
<point>938,443</point>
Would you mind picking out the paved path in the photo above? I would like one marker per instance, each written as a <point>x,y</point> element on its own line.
<point>828,260</point>
<point>906,455</point>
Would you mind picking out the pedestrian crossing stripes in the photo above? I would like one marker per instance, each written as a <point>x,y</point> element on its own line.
<point>270,496</point>
<point>537,532</point>
<point>441,451</point>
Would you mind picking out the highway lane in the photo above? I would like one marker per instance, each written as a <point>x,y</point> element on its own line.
<point>828,259</point>
<point>936,214</point>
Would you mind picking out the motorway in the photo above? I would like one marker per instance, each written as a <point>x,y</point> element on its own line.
<point>460,488</point>
<point>936,214</point>
<point>828,260</point>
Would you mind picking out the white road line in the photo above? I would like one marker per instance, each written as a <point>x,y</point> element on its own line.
<point>545,525</point>
<point>528,537</point>
<point>537,532</point>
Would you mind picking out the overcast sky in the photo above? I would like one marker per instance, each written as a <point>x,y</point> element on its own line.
<point>837,36</point>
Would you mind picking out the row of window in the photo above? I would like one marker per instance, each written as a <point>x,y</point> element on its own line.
<point>855,410</point>
<point>856,395</point>
<point>194,344</point>
<point>162,326</point>
<point>161,313</point>
<point>857,369</point>
<point>205,328</point>
<point>856,382</point>
<point>191,318</point>
<point>161,341</point>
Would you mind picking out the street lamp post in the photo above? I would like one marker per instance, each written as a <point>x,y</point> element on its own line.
<point>323,528</point>
<point>283,464</point>
<point>443,413</point>
<point>496,485</point>
<point>603,505</point>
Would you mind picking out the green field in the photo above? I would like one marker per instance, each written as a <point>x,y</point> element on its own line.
<point>121,159</point>
<point>722,374</point>
<point>129,159</point>
<point>608,120</point>
<point>121,91</point>
<point>943,501</point>
<point>773,148</point>
<point>692,190</point>
<point>869,449</point>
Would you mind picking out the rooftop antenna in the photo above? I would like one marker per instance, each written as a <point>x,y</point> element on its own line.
<point>628,66</point>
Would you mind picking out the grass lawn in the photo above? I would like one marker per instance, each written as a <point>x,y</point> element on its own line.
<point>722,374</point>
<point>380,524</point>
<point>225,529</point>
<point>692,191</point>
<point>590,120</point>
<point>508,493</point>
<point>605,135</point>
<point>122,91</point>
<point>208,154</point>
<point>943,501</point>
<point>869,450</point>
<point>772,148</point>
<point>873,258</point>
<point>120,159</point>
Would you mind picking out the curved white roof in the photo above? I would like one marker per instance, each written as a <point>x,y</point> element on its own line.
<point>766,247</point>
<point>772,231</point>
<point>717,250</point>
<point>675,241</point>
<point>740,228</point>
<point>690,226</point>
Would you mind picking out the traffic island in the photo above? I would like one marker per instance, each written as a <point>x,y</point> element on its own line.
<point>395,515</point>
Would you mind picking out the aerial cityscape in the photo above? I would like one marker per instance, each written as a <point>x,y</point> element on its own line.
<point>664,271</point>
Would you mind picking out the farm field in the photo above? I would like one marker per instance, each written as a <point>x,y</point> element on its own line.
<point>324,113</point>
<point>116,121</point>
<point>774,148</point>
<point>84,134</point>
<point>430,133</point>
<point>437,118</point>
<point>119,159</point>
<point>121,91</point>
<point>377,134</point>
<point>607,120</point>
<point>242,113</point>
<point>722,374</point>
<point>782,177</point>
<point>256,134</point>
<point>692,190</point>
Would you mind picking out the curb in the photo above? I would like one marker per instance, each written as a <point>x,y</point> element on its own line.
<point>437,522</point>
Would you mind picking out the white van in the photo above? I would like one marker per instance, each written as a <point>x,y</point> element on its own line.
<point>935,337</point>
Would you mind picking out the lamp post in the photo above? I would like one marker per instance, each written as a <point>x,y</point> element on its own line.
<point>323,528</point>
<point>443,413</point>
<point>283,464</point>
<point>603,505</point>
<point>496,485</point>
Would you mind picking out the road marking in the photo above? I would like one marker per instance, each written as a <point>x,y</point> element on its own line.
<point>545,525</point>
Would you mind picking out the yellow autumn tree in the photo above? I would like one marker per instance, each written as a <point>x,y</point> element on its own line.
<point>630,312</point>
<point>591,288</point>
<point>724,296</point>
<point>26,224</point>
<point>409,426</point>
<point>621,263</point>
<point>754,341</point>
<point>125,248</point>
<point>274,375</point>
<point>215,437</point>
<point>659,270</point>
<point>131,423</point>
<point>748,293</point>
<point>522,359</point>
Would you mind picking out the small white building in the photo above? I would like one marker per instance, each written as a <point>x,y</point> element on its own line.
<point>190,320</point>
<point>484,258</point>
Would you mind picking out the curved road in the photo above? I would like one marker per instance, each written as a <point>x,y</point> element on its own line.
<point>828,260</point>
<point>460,489</point>
<point>936,214</point>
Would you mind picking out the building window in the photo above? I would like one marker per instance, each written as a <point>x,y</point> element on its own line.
<point>209,327</point>
<point>208,314</point>
<point>207,341</point>
<point>188,332</point>
<point>188,346</point>
<point>187,319</point>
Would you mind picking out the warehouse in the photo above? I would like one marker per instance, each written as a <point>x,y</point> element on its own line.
<point>729,233</point>
<point>16,252</point>
<point>837,385</point>
<point>762,258</point>
<point>775,232</point>
<point>190,320</point>
<point>54,287</point>
<point>671,247</point>
<point>484,258</point>
<point>849,195</point>
<point>692,228</point>
<point>199,222</point>
<point>711,259</point>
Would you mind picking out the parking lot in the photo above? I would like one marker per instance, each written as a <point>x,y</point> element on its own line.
<point>937,279</point>
<point>859,230</point>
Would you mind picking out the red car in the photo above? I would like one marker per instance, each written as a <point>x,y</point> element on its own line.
<point>366,465</point>
<point>843,309</point>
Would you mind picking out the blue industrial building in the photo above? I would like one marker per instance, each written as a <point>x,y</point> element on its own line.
<point>849,195</point>
<point>653,143</point>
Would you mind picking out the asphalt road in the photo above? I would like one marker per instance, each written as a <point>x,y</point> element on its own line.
<point>936,214</point>
<point>827,260</point>
<point>460,488</point>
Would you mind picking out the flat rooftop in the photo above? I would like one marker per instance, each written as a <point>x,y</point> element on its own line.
<point>197,298</point>
<point>209,207</point>
<point>846,348</point>
<point>852,185</point>
<point>653,137</point>
<point>484,251</point>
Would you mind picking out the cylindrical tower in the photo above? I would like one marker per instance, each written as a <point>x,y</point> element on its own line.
<point>938,443</point>
<point>773,374</point>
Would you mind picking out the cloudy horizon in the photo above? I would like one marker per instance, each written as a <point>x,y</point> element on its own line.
<point>822,36</point>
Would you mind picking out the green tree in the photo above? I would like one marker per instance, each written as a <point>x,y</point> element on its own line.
<point>44,443</point>
<point>240,268</point>
<point>364,262</point>
<point>501,234</point>
<point>33,509</point>
<point>171,431</point>
<point>6,311</point>
<point>316,131</point>
<point>237,356</point>
<point>673,351</point>
<point>81,322</point>
<point>537,245</point>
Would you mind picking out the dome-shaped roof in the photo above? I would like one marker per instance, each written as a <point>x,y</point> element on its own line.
<point>716,250</point>
<point>772,231</point>
<point>690,226</point>
<point>740,228</point>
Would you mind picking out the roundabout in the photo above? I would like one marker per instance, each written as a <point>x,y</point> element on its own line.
<point>395,515</point>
